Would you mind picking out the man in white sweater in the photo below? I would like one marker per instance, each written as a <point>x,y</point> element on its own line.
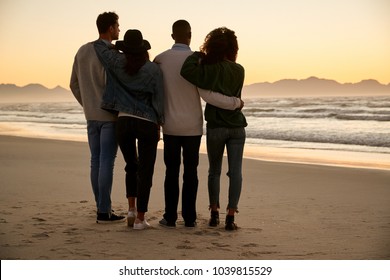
<point>87,83</point>
<point>183,127</point>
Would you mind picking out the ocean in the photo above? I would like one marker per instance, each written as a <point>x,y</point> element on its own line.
<point>334,123</point>
<point>354,124</point>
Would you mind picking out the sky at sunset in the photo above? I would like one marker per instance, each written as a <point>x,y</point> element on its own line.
<point>344,40</point>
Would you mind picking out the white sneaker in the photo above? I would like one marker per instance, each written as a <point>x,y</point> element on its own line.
<point>138,224</point>
<point>131,216</point>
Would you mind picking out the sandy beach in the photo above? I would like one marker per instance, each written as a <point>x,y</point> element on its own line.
<point>287,211</point>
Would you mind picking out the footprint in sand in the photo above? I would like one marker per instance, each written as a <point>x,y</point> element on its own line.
<point>221,246</point>
<point>185,245</point>
<point>208,232</point>
<point>251,245</point>
<point>41,235</point>
<point>39,219</point>
<point>251,254</point>
<point>71,231</point>
<point>73,241</point>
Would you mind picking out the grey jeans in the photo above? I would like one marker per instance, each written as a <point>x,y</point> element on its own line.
<point>234,140</point>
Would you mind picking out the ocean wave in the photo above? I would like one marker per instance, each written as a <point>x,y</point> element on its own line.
<point>362,140</point>
<point>379,118</point>
<point>322,115</point>
<point>42,118</point>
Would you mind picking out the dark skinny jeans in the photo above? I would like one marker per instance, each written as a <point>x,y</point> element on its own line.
<point>139,166</point>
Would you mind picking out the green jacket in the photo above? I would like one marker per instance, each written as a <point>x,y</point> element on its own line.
<point>226,77</point>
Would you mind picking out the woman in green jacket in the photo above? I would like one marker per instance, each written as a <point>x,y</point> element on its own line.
<point>214,68</point>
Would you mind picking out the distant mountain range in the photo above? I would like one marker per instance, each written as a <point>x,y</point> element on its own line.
<point>31,88</point>
<point>312,86</point>
<point>33,92</point>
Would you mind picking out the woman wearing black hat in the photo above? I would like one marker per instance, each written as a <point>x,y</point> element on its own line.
<point>134,90</point>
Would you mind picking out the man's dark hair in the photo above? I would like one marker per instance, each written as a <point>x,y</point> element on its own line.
<point>181,29</point>
<point>105,20</point>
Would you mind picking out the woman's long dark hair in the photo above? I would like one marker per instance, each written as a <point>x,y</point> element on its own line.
<point>219,44</point>
<point>135,62</point>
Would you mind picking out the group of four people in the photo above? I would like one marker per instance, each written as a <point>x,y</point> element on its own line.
<point>126,98</point>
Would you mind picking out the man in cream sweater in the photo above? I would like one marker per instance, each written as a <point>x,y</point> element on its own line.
<point>87,83</point>
<point>183,127</point>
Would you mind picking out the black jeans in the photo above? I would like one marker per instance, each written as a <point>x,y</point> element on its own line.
<point>139,166</point>
<point>172,159</point>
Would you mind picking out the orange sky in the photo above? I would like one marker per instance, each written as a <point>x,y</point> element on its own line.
<point>344,40</point>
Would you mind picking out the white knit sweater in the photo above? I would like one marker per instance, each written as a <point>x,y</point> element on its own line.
<point>182,106</point>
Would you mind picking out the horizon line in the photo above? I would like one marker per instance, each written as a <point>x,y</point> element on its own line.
<point>254,83</point>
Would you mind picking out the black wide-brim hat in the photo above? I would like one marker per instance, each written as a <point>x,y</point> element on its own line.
<point>133,42</point>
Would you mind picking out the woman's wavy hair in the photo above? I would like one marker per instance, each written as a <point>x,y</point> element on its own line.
<point>219,44</point>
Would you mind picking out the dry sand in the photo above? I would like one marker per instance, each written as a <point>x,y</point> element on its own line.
<point>287,211</point>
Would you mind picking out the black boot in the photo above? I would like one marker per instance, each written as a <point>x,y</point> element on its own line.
<point>229,223</point>
<point>214,219</point>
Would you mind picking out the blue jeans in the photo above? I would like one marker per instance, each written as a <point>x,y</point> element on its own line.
<point>132,132</point>
<point>173,146</point>
<point>234,140</point>
<point>103,147</point>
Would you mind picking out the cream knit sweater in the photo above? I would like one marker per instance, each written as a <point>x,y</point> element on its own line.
<point>182,106</point>
<point>87,82</point>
